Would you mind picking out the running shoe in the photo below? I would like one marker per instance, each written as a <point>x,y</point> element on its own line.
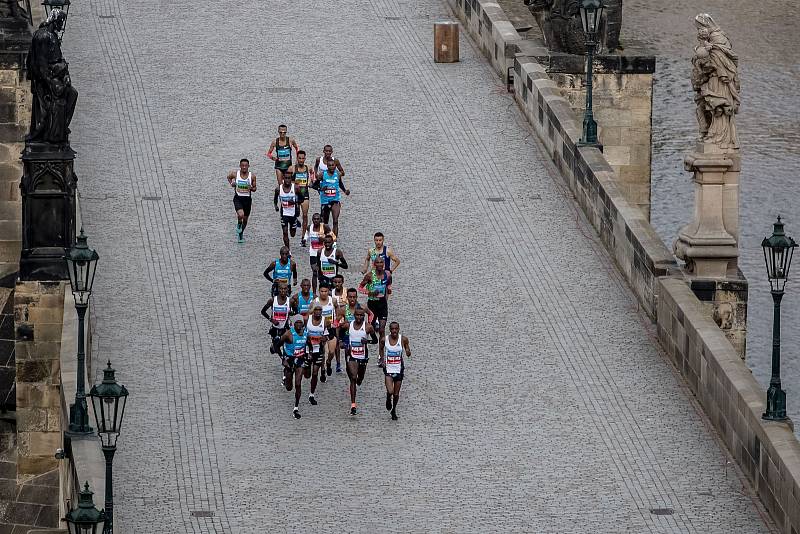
<point>353,410</point>
<point>296,413</point>
<point>312,400</point>
<point>388,402</point>
<point>338,368</point>
<point>329,370</point>
<point>241,239</point>
<point>303,243</point>
<point>322,376</point>
<point>394,415</point>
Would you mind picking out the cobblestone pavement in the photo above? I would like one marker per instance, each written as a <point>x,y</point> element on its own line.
<point>536,399</point>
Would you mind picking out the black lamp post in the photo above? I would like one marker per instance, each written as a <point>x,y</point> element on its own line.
<point>85,518</point>
<point>778,250</point>
<point>81,264</point>
<point>63,5</point>
<point>591,13</point>
<point>108,400</point>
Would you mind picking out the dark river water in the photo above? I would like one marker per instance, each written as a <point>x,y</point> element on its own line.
<point>766,36</point>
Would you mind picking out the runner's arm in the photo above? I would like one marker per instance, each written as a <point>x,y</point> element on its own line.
<point>339,166</point>
<point>406,346</point>
<point>269,269</point>
<point>373,337</point>
<point>362,287</point>
<point>395,260</point>
<point>293,142</point>
<point>271,149</point>
<point>232,178</point>
<point>275,198</point>
<point>365,268</point>
<point>341,185</point>
<point>315,266</point>
<point>294,304</point>
<point>266,308</point>
<point>253,183</point>
<point>381,348</point>
<point>342,262</point>
<point>294,273</point>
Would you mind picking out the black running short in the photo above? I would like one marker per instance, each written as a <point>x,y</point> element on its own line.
<point>361,363</point>
<point>276,332</point>
<point>379,307</point>
<point>243,203</point>
<point>317,358</point>
<point>288,221</point>
<point>314,261</point>
<point>397,377</point>
<point>302,194</point>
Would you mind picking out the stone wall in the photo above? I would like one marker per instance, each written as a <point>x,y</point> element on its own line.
<point>15,112</point>
<point>8,368</point>
<point>703,351</point>
<point>768,453</point>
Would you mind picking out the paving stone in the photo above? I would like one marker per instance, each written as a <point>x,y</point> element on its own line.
<point>536,400</point>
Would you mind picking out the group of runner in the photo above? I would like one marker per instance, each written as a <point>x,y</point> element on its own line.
<point>312,327</point>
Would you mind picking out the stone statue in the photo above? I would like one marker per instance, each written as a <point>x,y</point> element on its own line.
<point>715,81</point>
<point>54,97</point>
<point>560,23</point>
<point>12,9</point>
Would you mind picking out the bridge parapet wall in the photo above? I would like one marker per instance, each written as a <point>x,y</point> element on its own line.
<point>768,453</point>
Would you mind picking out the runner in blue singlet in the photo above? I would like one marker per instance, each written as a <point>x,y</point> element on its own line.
<point>283,269</point>
<point>295,361</point>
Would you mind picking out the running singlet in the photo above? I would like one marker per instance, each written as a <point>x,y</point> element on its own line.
<point>243,185</point>
<point>280,313</point>
<point>283,153</point>
<point>314,241</point>
<point>282,272</point>
<point>358,348</point>
<point>288,202</point>
<point>315,334</point>
<point>387,261</point>
<point>329,188</point>
<point>301,179</point>
<point>328,269</point>
<point>394,356</point>
<point>298,347</point>
<point>349,314</point>
<point>304,304</point>
<point>378,286</point>
<point>328,310</point>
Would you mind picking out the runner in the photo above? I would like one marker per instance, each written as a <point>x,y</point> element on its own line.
<point>277,311</point>
<point>391,261</point>
<point>339,300</point>
<point>301,302</point>
<point>287,196</point>
<point>295,362</point>
<point>325,302</point>
<point>321,162</point>
<point>345,313</point>
<point>284,270</point>
<point>329,182</point>
<point>316,233</point>
<point>318,336</point>
<point>378,285</point>
<point>303,176</point>
<point>244,183</point>
<point>329,259</point>
<point>356,353</point>
<point>282,149</point>
<point>391,349</point>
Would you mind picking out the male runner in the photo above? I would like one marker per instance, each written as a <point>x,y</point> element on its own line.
<point>280,151</point>
<point>329,183</point>
<point>356,354</point>
<point>303,176</point>
<point>295,363</point>
<point>390,260</point>
<point>391,351</point>
<point>316,233</point>
<point>244,183</point>
<point>325,302</point>
<point>283,269</point>
<point>329,259</point>
<point>301,302</point>
<point>318,336</point>
<point>345,313</point>
<point>277,311</point>
<point>321,162</point>
<point>287,195</point>
<point>377,284</point>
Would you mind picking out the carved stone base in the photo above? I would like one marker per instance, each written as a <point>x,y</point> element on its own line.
<point>709,244</point>
<point>48,210</point>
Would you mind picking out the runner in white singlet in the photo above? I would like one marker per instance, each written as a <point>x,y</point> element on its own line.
<point>317,335</point>
<point>392,350</point>
<point>317,230</point>
<point>328,306</point>
<point>357,356</point>
<point>244,183</point>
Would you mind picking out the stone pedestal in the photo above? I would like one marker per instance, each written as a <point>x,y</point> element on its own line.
<point>709,244</point>
<point>48,210</point>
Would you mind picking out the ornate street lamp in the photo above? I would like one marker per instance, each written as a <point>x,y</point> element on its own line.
<point>63,5</point>
<point>108,400</point>
<point>778,250</point>
<point>81,265</point>
<point>85,518</point>
<point>591,13</point>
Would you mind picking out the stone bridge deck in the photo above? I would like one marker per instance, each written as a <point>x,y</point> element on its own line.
<point>536,400</point>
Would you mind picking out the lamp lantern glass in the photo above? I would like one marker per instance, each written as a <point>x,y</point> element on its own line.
<point>81,264</point>
<point>109,399</point>
<point>85,519</point>
<point>778,250</point>
<point>591,12</point>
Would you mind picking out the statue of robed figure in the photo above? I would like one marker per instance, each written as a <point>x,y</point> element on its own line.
<point>54,97</point>
<point>715,80</point>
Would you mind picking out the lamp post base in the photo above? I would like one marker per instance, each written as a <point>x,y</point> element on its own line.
<point>776,405</point>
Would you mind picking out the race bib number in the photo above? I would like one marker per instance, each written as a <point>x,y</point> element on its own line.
<point>328,269</point>
<point>299,352</point>
<point>330,192</point>
<point>280,315</point>
<point>315,347</point>
<point>316,243</point>
<point>357,351</point>
<point>242,186</point>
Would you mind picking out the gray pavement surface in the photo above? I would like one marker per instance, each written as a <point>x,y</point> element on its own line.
<point>536,399</point>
